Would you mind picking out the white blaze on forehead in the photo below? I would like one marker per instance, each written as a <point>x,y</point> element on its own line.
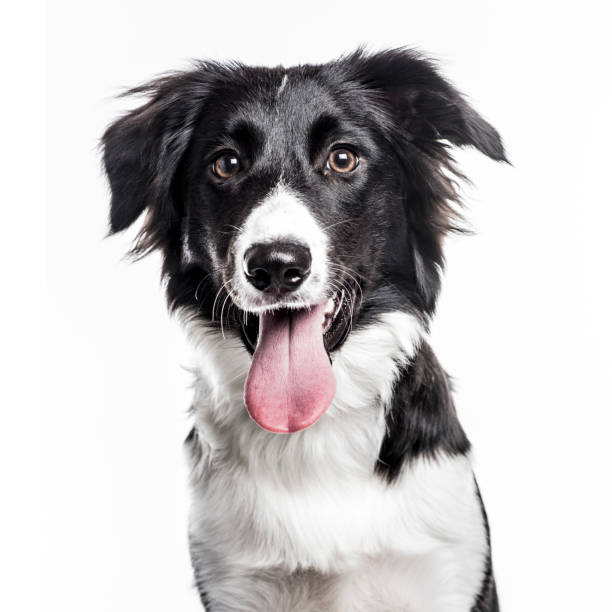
<point>282,217</point>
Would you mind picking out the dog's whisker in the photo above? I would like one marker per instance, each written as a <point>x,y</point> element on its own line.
<point>199,285</point>
<point>230,296</point>
<point>337,223</point>
<point>227,297</point>
<point>215,301</point>
<point>351,304</point>
<point>342,288</point>
<point>344,269</point>
<point>348,271</point>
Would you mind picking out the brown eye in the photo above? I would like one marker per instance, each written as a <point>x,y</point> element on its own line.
<point>226,165</point>
<point>342,161</point>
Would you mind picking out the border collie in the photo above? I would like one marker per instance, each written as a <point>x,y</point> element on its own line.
<point>301,213</point>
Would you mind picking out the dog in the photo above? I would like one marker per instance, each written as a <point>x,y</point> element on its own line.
<point>300,213</point>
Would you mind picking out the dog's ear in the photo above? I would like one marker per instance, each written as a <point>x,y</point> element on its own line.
<point>142,151</point>
<point>428,107</point>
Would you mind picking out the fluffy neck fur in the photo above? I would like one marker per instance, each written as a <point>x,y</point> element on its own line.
<point>346,440</point>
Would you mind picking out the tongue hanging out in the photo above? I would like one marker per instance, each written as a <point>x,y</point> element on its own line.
<point>290,384</point>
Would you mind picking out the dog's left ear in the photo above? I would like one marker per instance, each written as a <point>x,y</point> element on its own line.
<point>427,105</point>
<point>142,151</point>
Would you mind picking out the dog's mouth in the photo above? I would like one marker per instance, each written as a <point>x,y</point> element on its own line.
<point>335,325</point>
<point>290,383</point>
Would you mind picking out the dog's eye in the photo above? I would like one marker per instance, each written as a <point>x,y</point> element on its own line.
<point>342,161</point>
<point>226,165</point>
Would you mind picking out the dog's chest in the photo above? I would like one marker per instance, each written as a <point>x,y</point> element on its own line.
<point>304,520</point>
<point>328,521</point>
<point>345,543</point>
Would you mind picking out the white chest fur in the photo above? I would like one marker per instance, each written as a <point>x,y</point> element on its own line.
<point>309,504</point>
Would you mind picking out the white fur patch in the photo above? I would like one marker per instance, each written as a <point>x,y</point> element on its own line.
<point>281,217</point>
<point>282,85</point>
<point>187,254</point>
<point>266,505</point>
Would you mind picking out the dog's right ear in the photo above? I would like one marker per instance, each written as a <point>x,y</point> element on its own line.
<point>142,151</point>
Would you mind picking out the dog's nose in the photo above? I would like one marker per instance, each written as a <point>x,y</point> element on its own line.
<point>277,267</point>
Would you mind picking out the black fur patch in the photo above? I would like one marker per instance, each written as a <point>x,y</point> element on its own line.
<point>486,600</point>
<point>421,420</point>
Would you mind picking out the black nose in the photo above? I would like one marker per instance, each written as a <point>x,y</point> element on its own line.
<point>277,267</point>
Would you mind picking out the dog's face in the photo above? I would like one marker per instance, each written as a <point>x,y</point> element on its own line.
<point>316,192</point>
<point>282,187</point>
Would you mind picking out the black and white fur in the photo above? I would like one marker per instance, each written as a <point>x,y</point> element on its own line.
<point>375,506</point>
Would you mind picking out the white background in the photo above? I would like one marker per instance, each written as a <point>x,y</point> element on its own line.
<point>93,483</point>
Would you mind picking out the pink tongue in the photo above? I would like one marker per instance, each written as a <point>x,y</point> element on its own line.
<point>290,384</point>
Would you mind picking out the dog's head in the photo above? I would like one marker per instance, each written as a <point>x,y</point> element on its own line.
<point>292,205</point>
